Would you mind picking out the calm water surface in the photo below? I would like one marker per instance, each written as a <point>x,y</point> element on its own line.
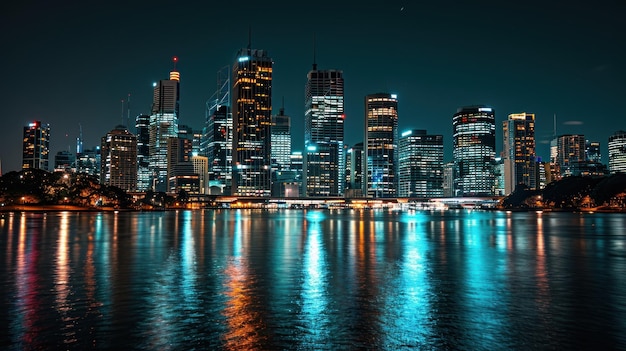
<point>312,280</point>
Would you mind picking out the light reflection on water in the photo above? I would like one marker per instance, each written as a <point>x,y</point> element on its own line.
<point>311,280</point>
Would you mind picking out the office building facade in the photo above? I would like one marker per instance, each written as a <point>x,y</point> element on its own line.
<point>118,150</point>
<point>420,165</point>
<point>519,151</point>
<point>36,146</point>
<point>381,145</point>
<point>617,152</point>
<point>252,122</point>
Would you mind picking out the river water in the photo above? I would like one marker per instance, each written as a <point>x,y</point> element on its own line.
<point>312,280</point>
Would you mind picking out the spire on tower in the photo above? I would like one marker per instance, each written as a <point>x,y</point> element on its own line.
<point>174,74</point>
<point>314,61</point>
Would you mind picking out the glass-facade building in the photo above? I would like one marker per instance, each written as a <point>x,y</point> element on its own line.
<point>163,125</point>
<point>142,132</point>
<point>252,123</point>
<point>617,152</point>
<point>474,138</point>
<point>519,155</point>
<point>420,165</point>
<point>570,150</point>
<point>36,146</point>
<point>323,157</point>
<point>381,145</point>
<point>281,140</point>
<point>118,150</point>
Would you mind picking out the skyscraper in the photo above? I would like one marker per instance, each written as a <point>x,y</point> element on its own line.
<point>519,157</point>
<point>420,164</point>
<point>474,134</point>
<point>252,123</point>
<point>570,150</point>
<point>281,140</point>
<point>381,145</point>
<point>617,152</point>
<point>217,140</point>
<point>142,132</point>
<point>36,146</point>
<point>163,125</point>
<point>323,157</point>
<point>354,171</point>
<point>118,149</point>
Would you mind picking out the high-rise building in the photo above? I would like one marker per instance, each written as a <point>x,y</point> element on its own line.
<point>142,132</point>
<point>281,140</point>
<point>592,151</point>
<point>201,168</point>
<point>354,171</point>
<point>217,138</point>
<point>617,152</point>
<point>64,161</point>
<point>118,150</point>
<point>252,123</point>
<point>570,150</point>
<point>420,165</point>
<point>381,145</point>
<point>36,146</point>
<point>474,135</point>
<point>519,155</point>
<point>163,125</point>
<point>323,160</point>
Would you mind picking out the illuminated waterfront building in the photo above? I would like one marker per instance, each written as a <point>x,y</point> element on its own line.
<point>323,156</point>
<point>420,165</point>
<point>36,146</point>
<point>617,152</point>
<point>281,140</point>
<point>354,171</point>
<point>381,145</point>
<point>252,122</point>
<point>142,132</point>
<point>118,150</point>
<point>474,151</point>
<point>163,125</point>
<point>570,149</point>
<point>519,156</point>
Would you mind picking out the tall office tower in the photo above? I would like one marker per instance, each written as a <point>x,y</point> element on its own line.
<point>89,162</point>
<point>592,151</point>
<point>617,152</point>
<point>118,150</point>
<point>381,145</point>
<point>163,125</point>
<point>281,140</point>
<point>474,135</point>
<point>570,150</point>
<point>142,132</point>
<point>354,170</point>
<point>554,173</point>
<point>201,168</point>
<point>36,146</point>
<point>296,161</point>
<point>498,172</point>
<point>79,140</point>
<point>252,123</point>
<point>448,179</point>
<point>420,164</point>
<point>519,156</point>
<point>323,160</point>
<point>217,140</point>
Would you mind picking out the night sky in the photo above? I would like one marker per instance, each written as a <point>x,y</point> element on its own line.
<point>70,63</point>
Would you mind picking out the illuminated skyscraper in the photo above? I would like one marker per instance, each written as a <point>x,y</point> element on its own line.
<point>617,152</point>
<point>354,171</point>
<point>281,140</point>
<point>36,146</point>
<point>420,165</point>
<point>252,123</point>
<point>142,132</point>
<point>323,157</point>
<point>163,125</point>
<point>118,150</point>
<point>474,134</point>
<point>519,157</point>
<point>570,150</point>
<point>381,145</point>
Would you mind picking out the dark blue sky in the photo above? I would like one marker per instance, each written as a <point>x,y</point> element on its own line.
<point>70,63</point>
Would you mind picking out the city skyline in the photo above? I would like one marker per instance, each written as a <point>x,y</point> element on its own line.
<point>70,67</point>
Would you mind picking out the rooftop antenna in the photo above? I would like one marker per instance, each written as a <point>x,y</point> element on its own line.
<point>128,112</point>
<point>122,111</point>
<point>554,125</point>
<point>314,60</point>
<point>249,38</point>
<point>282,108</point>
